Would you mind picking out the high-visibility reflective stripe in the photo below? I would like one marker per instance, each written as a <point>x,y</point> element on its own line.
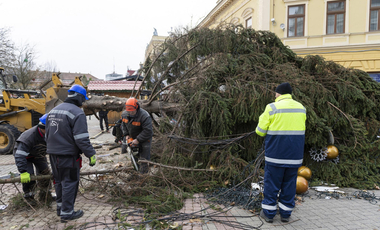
<point>286,132</point>
<point>273,106</point>
<point>269,207</point>
<point>22,153</point>
<point>66,213</point>
<point>64,112</point>
<point>82,135</point>
<point>287,111</point>
<point>72,95</point>
<point>59,204</point>
<point>283,161</point>
<point>262,130</point>
<point>283,207</point>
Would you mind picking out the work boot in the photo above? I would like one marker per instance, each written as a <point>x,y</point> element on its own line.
<point>262,215</point>
<point>75,215</point>
<point>58,211</point>
<point>284,219</point>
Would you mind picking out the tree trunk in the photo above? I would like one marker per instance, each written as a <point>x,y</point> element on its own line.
<point>97,103</point>
<point>44,177</point>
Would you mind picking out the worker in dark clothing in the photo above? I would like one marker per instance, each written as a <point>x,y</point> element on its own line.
<point>283,126</point>
<point>67,137</point>
<point>123,138</point>
<point>29,150</point>
<point>103,116</point>
<point>137,124</point>
<point>116,131</point>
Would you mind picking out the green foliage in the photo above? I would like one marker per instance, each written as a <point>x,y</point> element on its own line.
<point>228,75</point>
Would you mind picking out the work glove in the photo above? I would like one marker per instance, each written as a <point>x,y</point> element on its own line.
<point>92,161</point>
<point>25,177</point>
<point>135,142</point>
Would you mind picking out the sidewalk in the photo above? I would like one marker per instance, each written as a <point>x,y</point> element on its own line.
<point>310,214</point>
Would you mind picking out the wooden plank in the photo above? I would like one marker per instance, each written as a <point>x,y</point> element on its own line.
<point>97,135</point>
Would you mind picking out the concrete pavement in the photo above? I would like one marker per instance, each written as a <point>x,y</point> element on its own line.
<point>315,212</point>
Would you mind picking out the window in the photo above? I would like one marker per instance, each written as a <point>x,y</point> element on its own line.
<point>248,23</point>
<point>374,15</point>
<point>336,12</point>
<point>296,21</point>
<point>375,76</point>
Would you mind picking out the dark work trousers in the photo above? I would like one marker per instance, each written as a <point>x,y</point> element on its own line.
<point>105,121</point>
<point>144,154</point>
<point>66,180</point>
<point>276,179</point>
<point>124,145</point>
<point>42,168</point>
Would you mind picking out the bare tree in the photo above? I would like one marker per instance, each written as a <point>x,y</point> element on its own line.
<point>7,55</point>
<point>25,68</point>
<point>45,74</point>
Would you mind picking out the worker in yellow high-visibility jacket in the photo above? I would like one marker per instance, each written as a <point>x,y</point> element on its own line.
<point>283,125</point>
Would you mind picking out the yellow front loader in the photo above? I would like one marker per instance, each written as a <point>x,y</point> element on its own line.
<point>21,109</point>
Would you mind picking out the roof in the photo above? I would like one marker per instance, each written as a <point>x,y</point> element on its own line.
<point>133,78</point>
<point>71,76</point>
<point>129,78</point>
<point>112,85</point>
<point>66,78</point>
<point>130,72</point>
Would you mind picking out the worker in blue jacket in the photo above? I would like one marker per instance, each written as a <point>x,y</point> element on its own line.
<point>29,150</point>
<point>67,137</point>
<point>283,125</point>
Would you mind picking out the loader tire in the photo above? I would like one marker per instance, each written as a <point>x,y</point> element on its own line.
<point>8,137</point>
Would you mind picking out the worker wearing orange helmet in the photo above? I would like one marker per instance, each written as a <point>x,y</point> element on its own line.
<point>137,124</point>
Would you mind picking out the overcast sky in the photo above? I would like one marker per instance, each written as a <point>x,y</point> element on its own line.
<point>93,36</point>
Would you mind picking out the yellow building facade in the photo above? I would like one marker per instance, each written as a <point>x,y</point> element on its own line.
<point>344,31</point>
<point>154,45</point>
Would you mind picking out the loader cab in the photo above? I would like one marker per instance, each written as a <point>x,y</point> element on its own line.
<point>3,79</point>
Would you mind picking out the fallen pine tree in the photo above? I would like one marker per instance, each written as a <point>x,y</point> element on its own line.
<point>233,73</point>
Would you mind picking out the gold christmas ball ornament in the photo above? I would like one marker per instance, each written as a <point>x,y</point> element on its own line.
<point>304,172</point>
<point>332,152</point>
<point>302,185</point>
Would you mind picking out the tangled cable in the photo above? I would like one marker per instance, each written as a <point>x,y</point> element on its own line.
<point>242,194</point>
<point>371,197</point>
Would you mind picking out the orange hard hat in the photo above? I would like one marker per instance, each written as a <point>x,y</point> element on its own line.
<point>131,104</point>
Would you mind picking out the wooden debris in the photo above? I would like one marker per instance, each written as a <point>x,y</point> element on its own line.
<point>97,135</point>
